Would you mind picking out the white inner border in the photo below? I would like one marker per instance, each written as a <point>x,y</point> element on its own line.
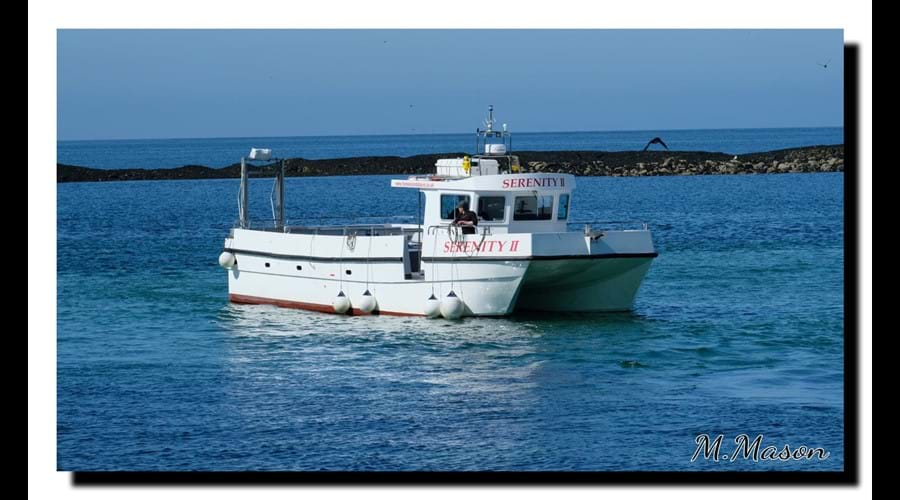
<point>45,17</point>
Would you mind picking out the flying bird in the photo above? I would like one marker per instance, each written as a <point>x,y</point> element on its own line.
<point>825,65</point>
<point>656,140</point>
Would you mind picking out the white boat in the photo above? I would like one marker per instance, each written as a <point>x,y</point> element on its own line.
<point>522,256</point>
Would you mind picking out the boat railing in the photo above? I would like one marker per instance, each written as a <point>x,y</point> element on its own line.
<point>335,230</point>
<point>607,224</point>
<point>351,230</point>
<point>433,229</point>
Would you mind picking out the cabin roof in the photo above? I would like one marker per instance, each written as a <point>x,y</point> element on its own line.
<point>546,182</point>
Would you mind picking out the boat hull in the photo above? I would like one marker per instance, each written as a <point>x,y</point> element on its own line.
<point>492,276</point>
<point>583,285</point>
<point>486,288</point>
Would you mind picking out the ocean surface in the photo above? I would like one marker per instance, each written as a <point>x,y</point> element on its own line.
<point>737,328</point>
<point>170,153</point>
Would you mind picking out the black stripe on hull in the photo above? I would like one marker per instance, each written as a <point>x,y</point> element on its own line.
<point>310,258</point>
<point>461,258</point>
<point>649,255</point>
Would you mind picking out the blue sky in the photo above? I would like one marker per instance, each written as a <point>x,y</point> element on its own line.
<point>128,84</point>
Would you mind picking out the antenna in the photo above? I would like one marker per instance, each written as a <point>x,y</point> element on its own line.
<point>490,121</point>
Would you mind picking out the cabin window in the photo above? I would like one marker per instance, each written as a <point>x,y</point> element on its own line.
<point>490,208</point>
<point>563,212</point>
<point>533,208</point>
<point>449,202</point>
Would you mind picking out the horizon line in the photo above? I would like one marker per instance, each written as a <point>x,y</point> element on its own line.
<point>436,133</point>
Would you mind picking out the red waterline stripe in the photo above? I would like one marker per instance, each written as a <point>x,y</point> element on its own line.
<point>247,299</point>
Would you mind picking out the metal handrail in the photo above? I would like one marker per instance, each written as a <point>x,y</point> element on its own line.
<point>485,230</point>
<point>343,230</point>
<point>389,230</point>
<point>600,223</point>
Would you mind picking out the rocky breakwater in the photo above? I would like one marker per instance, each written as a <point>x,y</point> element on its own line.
<point>585,163</point>
<point>654,163</point>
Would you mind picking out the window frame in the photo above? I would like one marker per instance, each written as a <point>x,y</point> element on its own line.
<point>494,221</point>
<point>559,202</point>
<point>468,196</point>
<point>537,207</point>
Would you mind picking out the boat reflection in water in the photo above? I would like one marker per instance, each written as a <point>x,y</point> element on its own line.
<point>388,393</point>
<point>510,356</point>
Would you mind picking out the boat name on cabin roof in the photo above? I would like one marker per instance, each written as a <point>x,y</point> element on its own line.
<point>534,182</point>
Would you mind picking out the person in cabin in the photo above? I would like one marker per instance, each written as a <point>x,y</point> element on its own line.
<point>465,218</point>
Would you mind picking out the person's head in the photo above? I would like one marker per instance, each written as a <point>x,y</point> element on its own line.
<point>463,207</point>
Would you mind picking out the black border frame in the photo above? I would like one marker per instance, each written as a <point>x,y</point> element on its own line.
<point>849,476</point>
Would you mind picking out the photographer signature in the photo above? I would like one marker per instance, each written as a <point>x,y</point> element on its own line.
<point>747,449</point>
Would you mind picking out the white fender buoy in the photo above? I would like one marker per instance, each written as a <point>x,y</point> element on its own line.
<point>226,260</point>
<point>367,302</point>
<point>341,303</point>
<point>451,306</point>
<point>432,307</point>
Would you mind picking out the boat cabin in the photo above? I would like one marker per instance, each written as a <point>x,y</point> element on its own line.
<point>504,200</point>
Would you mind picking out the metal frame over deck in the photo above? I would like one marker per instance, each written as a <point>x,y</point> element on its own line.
<point>276,198</point>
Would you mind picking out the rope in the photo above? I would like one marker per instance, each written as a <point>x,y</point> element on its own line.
<point>480,243</point>
<point>433,255</point>
<point>454,235</point>
<point>368,255</point>
<point>341,268</point>
<point>312,241</point>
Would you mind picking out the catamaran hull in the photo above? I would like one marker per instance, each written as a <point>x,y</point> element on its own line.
<point>583,285</point>
<point>491,276</point>
<point>485,288</point>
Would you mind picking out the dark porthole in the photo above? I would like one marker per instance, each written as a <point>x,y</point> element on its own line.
<point>348,271</point>
<point>267,264</point>
<point>299,268</point>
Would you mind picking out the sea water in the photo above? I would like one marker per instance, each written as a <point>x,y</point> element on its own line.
<point>737,328</point>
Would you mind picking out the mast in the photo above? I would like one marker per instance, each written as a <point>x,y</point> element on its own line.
<point>487,138</point>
